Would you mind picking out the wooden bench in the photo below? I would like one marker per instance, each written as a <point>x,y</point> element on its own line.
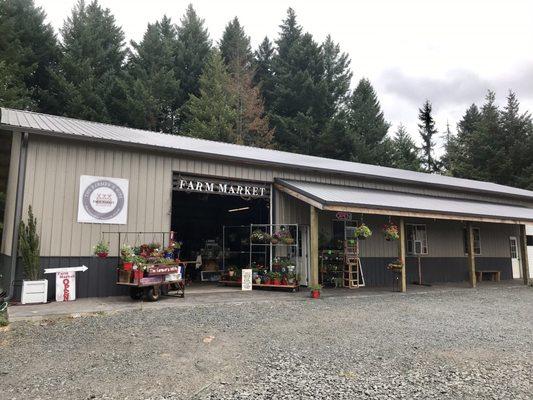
<point>494,275</point>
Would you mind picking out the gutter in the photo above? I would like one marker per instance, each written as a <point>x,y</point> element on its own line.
<point>21,183</point>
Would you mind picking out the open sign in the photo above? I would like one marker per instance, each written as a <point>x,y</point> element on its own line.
<point>343,216</point>
<point>66,286</point>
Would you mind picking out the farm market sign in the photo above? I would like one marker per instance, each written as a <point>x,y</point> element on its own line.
<point>214,186</point>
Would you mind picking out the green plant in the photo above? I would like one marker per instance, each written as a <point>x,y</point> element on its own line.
<point>315,287</point>
<point>391,231</point>
<point>362,232</point>
<point>126,253</point>
<point>101,247</point>
<point>29,247</point>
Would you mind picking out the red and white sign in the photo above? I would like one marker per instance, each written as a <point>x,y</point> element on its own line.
<point>66,286</point>
<point>343,216</point>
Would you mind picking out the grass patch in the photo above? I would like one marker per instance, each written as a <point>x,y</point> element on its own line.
<point>3,319</point>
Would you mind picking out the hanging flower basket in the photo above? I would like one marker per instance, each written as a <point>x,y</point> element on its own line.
<point>101,249</point>
<point>362,232</point>
<point>391,232</point>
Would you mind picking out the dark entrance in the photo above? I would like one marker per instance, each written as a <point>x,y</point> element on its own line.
<point>198,220</point>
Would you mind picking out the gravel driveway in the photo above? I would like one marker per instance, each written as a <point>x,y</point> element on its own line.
<point>457,344</point>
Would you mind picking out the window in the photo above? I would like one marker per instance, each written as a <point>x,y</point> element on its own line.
<point>417,241</point>
<point>530,240</point>
<point>477,241</point>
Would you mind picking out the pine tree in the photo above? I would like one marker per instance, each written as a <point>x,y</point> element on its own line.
<point>298,102</point>
<point>13,92</point>
<point>427,132</point>
<point>211,115</point>
<point>264,70</point>
<point>88,77</point>
<point>154,85</point>
<point>367,126</point>
<point>235,46</point>
<point>516,133</point>
<point>28,48</point>
<point>337,75</point>
<point>405,152</point>
<point>192,52</point>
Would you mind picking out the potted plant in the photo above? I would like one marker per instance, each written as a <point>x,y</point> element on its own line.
<point>391,232</point>
<point>362,232</point>
<point>34,289</point>
<point>126,255</point>
<point>315,291</point>
<point>231,272</point>
<point>275,278</point>
<point>101,250</point>
<point>395,266</point>
<point>258,236</point>
<point>266,279</point>
<point>258,280</point>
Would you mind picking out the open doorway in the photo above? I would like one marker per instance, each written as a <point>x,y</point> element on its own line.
<point>199,220</point>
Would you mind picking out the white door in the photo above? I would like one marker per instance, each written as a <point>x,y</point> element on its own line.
<point>515,258</point>
<point>303,260</point>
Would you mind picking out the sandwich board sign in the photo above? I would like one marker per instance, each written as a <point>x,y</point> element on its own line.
<point>65,281</point>
<point>246,279</point>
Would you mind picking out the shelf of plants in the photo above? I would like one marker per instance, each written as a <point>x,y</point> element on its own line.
<point>149,269</point>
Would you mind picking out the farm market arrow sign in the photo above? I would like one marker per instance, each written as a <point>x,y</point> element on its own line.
<point>65,281</point>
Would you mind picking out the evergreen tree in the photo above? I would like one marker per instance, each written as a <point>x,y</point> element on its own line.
<point>298,102</point>
<point>88,79</point>
<point>367,126</point>
<point>13,92</point>
<point>211,115</point>
<point>28,48</point>
<point>405,152</point>
<point>263,69</point>
<point>427,132</point>
<point>154,85</point>
<point>337,75</point>
<point>192,52</point>
<point>235,46</point>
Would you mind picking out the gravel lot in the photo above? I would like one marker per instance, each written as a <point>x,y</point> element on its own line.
<point>467,344</point>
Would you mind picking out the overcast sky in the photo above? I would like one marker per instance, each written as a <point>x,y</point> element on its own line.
<point>448,51</point>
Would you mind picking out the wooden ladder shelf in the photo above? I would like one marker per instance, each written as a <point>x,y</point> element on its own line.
<point>353,272</point>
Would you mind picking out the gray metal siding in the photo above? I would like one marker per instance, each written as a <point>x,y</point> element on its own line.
<point>55,165</point>
<point>52,185</point>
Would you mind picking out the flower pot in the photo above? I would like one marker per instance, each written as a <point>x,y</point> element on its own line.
<point>315,294</point>
<point>127,266</point>
<point>34,291</point>
<point>231,273</point>
<point>291,281</point>
<point>138,275</point>
<point>124,276</point>
<point>258,281</point>
<point>289,241</point>
<point>361,237</point>
<point>275,282</point>
<point>102,254</point>
<point>266,281</point>
<point>274,241</point>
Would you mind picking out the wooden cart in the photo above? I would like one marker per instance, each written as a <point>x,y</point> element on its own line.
<point>159,279</point>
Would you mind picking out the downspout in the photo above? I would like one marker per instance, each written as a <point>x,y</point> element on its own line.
<point>21,182</point>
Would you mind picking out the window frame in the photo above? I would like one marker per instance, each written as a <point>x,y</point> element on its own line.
<point>410,241</point>
<point>465,240</point>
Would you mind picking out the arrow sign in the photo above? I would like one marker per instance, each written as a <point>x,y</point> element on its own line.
<point>82,268</point>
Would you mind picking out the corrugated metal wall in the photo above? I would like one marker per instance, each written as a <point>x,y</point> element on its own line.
<point>52,185</point>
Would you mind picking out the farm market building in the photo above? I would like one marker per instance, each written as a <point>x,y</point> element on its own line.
<point>449,227</point>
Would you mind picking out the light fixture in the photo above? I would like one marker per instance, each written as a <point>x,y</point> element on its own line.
<point>239,209</point>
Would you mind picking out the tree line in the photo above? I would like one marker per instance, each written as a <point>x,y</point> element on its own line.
<point>292,93</point>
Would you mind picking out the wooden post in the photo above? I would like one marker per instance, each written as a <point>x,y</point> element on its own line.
<point>523,254</point>
<point>401,255</point>
<point>313,232</point>
<point>471,255</point>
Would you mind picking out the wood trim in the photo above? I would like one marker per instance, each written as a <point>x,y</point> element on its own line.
<point>523,254</point>
<point>417,214</point>
<point>299,196</point>
<point>471,255</point>
<point>314,245</point>
<point>401,254</point>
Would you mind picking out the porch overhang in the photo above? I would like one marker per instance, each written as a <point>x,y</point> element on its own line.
<point>372,201</point>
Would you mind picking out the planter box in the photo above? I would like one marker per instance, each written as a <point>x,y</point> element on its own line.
<point>34,291</point>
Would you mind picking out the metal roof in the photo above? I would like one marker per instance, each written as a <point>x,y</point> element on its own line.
<point>329,196</point>
<point>68,127</point>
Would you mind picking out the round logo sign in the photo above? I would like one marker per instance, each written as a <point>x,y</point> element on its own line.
<point>103,200</point>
